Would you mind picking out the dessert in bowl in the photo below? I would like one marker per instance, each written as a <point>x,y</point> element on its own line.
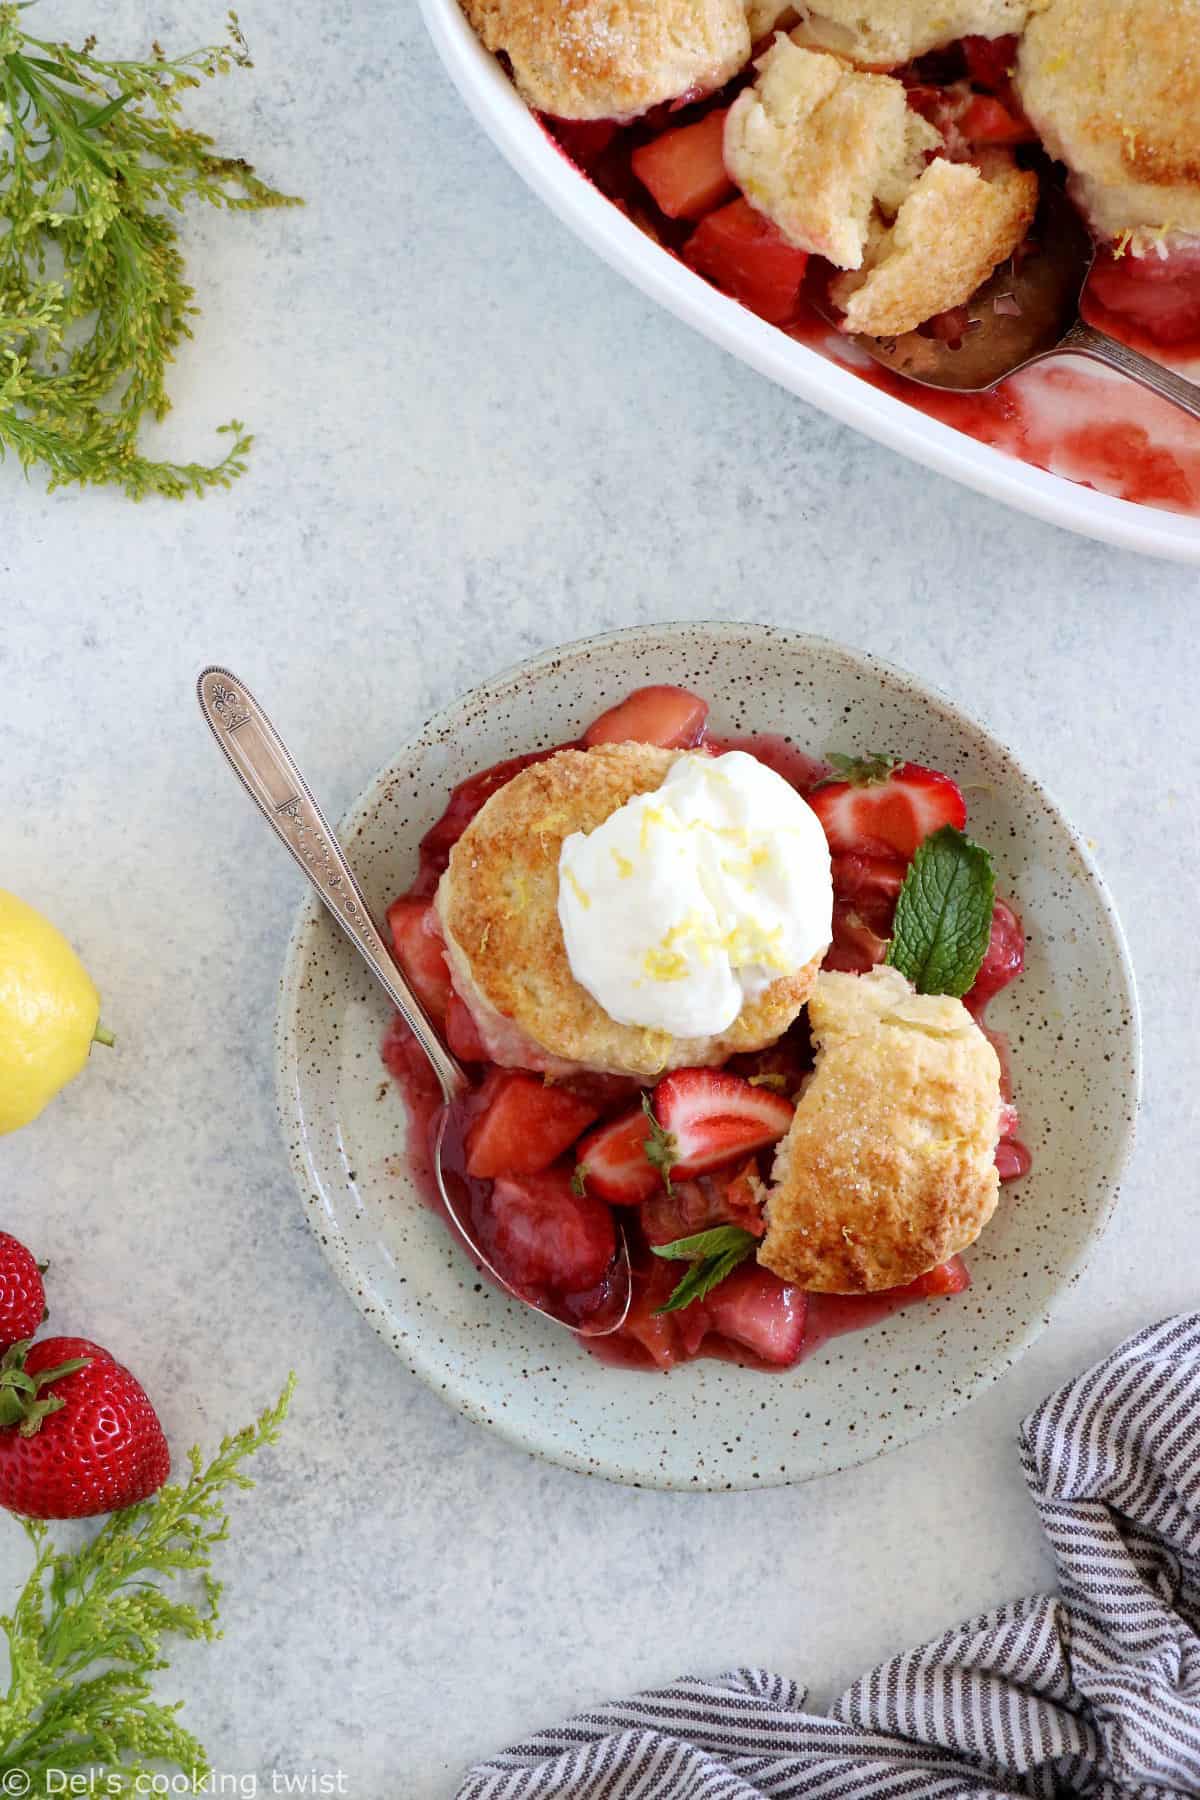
<point>887,160</point>
<point>922,1123</point>
<point>718,1007</point>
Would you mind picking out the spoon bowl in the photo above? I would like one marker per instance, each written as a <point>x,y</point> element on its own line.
<point>264,766</point>
<point>1028,310</point>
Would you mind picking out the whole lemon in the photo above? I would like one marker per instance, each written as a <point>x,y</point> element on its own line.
<point>49,1013</point>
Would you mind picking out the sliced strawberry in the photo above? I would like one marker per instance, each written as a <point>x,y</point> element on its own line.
<point>743,253</point>
<point>990,61</point>
<point>422,954</point>
<point>667,716</point>
<point>614,1163</point>
<point>754,1309</point>
<point>948,1278</point>
<point>710,1117</point>
<point>1003,959</point>
<point>988,121</point>
<point>543,1235</point>
<point>684,169</point>
<point>525,1125</point>
<point>886,809</point>
<point>462,1033</point>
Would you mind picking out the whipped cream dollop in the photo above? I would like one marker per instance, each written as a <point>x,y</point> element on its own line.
<point>693,899</point>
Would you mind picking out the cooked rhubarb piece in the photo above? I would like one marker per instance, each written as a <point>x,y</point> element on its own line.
<point>857,946</point>
<point>857,876</point>
<point>990,61</point>
<point>683,1210</point>
<point>684,169</point>
<point>462,1033</point>
<point>743,253</point>
<point>1003,959</point>
<point>525,1125</point>
<point>667,716</point>
<point>1161,294</point>
<point>656,1331</point>
<point>743,1198</point>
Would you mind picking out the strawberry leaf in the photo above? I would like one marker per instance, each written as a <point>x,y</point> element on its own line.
<point>944,914</point>
<point>713,1255</point>
<point>861,771</point>
<point>660,1148</point>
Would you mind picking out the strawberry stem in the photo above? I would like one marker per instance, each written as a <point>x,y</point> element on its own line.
<point>22,1402</point>
<point>660,1148</point>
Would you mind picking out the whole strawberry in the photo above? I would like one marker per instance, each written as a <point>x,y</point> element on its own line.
<point>78,1435</point>
<point>22,1296</point>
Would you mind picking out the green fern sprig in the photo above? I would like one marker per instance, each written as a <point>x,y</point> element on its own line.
<point>85,1638</point>
<point>94,300</point>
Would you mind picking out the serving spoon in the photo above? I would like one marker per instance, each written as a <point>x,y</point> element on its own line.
<point>264,766</point>
<point>1038,317</point>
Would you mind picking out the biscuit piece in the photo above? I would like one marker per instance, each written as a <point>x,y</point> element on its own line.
<point>889,1165</point>
<point>1113,89</point>
<point>613,59</point>
<point>883,33</point>
<point>814,145</point>
<point>952,230</point>
<point>498,908</point>
<point>765,15</point>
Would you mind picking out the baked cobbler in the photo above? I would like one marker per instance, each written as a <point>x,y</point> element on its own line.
<point>900,144</point>
<point>701,994</point>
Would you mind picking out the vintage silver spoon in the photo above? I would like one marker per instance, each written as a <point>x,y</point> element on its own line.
<point>1045,290</point>
<point>266,770</point>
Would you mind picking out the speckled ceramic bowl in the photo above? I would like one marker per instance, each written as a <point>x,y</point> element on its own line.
<point>1072,1018</point>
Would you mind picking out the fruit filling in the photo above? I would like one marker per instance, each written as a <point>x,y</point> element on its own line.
<point>552,1168</point>
<point>890,185</point>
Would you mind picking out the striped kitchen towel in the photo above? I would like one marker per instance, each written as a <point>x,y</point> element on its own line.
<point>1095,1692</point>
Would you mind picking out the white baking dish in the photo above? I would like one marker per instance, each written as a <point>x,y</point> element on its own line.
<point>835,389</point>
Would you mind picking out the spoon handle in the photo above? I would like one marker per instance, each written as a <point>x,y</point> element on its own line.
<point>263,765</point>
<point>1085,340</point>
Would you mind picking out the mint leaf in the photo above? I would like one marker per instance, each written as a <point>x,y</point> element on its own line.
<point>713,1255</point>
<point>944,914</point>
<point>861,771</point>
